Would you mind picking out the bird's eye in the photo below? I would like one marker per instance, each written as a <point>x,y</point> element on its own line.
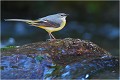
<point>62,15</point>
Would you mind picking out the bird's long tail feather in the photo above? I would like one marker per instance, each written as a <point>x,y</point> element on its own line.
<point>31,22</point>
<point>23,20</point>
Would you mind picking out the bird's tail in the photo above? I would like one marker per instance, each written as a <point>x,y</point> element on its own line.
<point>31,22</point>
<point>23,20</point>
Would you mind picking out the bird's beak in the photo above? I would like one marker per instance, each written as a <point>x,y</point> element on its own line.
<point>66,14</point>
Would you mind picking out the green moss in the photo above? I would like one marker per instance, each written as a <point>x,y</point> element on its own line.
<point>39,58</point>
<point>2,67</point>
<point>56,72</point>
<point>7,48</point>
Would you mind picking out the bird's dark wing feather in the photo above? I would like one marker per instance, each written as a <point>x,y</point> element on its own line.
<point>48,23</point>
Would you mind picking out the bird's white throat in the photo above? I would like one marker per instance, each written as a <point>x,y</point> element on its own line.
<point>63,18</point>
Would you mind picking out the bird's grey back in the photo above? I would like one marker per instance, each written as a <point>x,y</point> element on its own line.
<point>53,18</point>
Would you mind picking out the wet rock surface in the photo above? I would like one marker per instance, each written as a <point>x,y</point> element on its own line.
<point>62,59</point>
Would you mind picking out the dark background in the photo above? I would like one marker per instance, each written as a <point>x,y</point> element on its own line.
<point>95,21</point>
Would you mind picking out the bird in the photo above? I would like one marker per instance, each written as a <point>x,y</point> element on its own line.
<point>50,23</point>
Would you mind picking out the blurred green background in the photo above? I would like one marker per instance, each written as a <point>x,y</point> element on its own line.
<point>97,21</point>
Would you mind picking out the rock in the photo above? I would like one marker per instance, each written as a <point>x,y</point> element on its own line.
<point>61,58</point>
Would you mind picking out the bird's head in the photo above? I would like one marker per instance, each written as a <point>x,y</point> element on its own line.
<point>62,15</point>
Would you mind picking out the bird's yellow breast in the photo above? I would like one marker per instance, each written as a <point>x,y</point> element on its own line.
<point>52,29</point>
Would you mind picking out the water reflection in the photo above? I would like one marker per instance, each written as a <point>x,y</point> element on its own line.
<point>10,41</point>
<point>109,31</point>
<point>20,29</point>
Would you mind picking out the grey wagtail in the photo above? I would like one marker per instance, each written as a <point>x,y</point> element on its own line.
<point>49,23</point>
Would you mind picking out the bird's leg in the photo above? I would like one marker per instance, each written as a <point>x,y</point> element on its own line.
<point>52,36</point>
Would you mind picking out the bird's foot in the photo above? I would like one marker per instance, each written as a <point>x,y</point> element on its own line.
<point>50,39</point>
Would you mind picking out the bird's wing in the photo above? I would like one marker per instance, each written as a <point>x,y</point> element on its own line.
<point>48,23</point>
